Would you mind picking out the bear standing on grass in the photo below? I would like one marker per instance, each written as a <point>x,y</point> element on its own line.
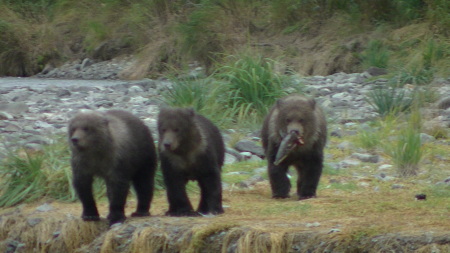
<point>191,148</point>
<point>298,118</point>
<point>118,147</point>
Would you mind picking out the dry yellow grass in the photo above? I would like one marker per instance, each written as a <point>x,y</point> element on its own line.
<point>253,222</point>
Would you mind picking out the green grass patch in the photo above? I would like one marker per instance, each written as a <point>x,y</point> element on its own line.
<point>375,55</point>
<point>389,100</point>
<point>251,87</point>
<point>29,176</point>
<point>287,207</point>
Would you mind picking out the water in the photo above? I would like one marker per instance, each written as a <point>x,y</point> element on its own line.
<point>44,82</point>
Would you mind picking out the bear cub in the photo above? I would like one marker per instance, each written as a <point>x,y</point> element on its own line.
<point>118,147</point>
<point>299,115</point>
<point>190,148</point>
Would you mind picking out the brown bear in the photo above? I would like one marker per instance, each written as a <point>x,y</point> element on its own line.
<point>298,116</point>
<point>118,147</point>
<point>190,148</point>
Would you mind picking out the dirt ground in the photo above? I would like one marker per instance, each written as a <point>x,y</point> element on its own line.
<point>336,221</point>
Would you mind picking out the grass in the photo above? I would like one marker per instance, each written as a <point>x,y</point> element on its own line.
<point>351,201</point>
<point>43,32</point>
<point>29,176</point>
<point>376,55</point>
<point>251,87</point>
<point>389,100</point>
<point>406,151</point>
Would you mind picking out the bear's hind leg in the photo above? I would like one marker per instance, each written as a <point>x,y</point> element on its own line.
<point>211,194</point>
<point>143,184</point>
<point>117,195</point>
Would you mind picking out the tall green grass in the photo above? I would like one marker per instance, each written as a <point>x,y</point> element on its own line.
<point>406,151</point>
<point>402,142</point>
<point>250,86</point>
<point>194,93</point>
<point>28,176</point>
<point>389,100</point>
<point>376,55</point>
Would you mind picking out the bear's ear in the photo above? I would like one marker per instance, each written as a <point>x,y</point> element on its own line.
<point>312,102</point>
<point>190,111</point>
<point>280,102</point>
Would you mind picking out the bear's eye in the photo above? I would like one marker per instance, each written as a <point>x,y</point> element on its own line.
<point>86,129</point>
<point>288,120</point>
<point>176,130</point>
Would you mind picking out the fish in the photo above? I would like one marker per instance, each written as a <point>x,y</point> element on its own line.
<point>289,143</point>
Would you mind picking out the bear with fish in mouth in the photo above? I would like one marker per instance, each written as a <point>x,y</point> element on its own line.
<point>294,133</point>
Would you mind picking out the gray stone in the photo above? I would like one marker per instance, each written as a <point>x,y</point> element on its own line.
<point>63,93</point>
<point>249,146</point>
<point>86,63</point>
<point>33,221</point>
<point>426,138</point>
<point>443,103</point>
<point>44,208</point>
<point>347,163</point>
<point>14,108</point>
<point>367,158</point>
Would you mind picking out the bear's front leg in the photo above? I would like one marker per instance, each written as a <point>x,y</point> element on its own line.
<point>83,186</point>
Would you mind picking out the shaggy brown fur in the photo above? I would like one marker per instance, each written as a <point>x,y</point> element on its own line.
<point>302,116</point>
<point>118,147</point>
<point>191,148</point>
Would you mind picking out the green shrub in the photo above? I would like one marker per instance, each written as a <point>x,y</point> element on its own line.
<point>438,12</point>
<point>406,151</point>
<point>200,34</point>
<point>368,139</point>
<point>414,75</point>
<point>376,55</point>
<point>28,176</point>
<point>193,93</point>
<point>250,87</point>
<point>389,100</point>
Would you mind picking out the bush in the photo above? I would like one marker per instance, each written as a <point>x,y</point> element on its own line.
<point>389,100</point>
<point>250,87</point>
<point>28,176</point>
<point>193,93</point>
<point>406,151</point>
<point>376,55</point>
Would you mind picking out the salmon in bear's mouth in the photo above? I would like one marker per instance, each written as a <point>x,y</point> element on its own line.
<point>289,143</point>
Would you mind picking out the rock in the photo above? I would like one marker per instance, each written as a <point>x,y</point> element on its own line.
<point>44,208</point>
<point>249,146</point>
<point>14,108</point>
<point>443,103</point>
<point>374,71</point>
<point>345,145</point>
<point>63,93</point>
<point>86,63</point>
<point>34,221</point>
<point>347,163</point>
<point>366,158</point>
<point>426,138</point>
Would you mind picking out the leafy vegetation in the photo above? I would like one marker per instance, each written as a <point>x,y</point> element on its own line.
<point>251,87</point>
<point>54,31</point>
<point>29,176</point>
<point>389,100</point>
